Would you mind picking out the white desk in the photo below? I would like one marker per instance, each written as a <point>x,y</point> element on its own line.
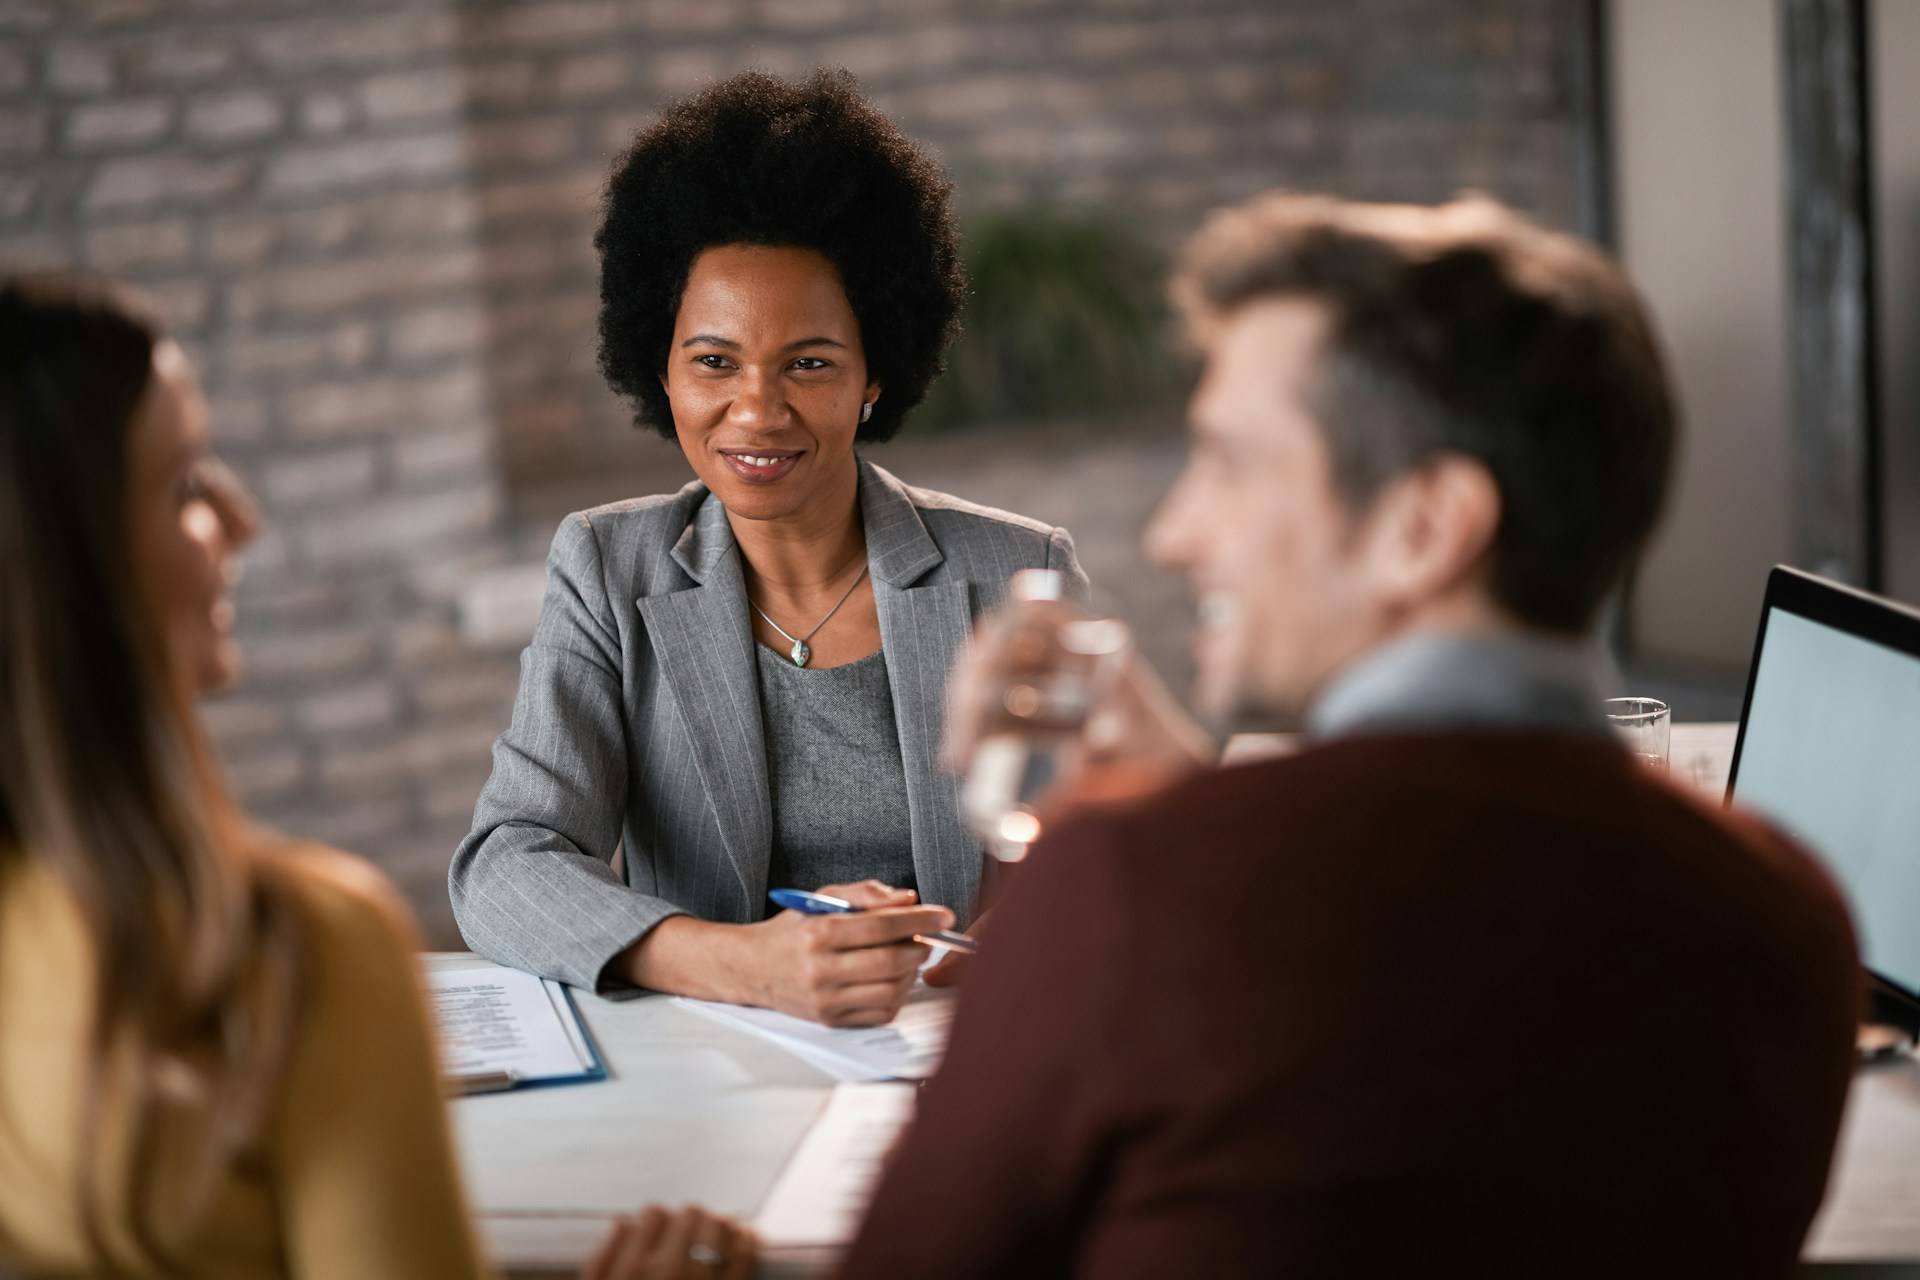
<point>697,1112</point>
<point>694,1112</point>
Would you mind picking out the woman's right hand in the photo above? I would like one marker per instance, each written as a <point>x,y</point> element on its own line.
<point>658,1244</point>
<point>844,970</point>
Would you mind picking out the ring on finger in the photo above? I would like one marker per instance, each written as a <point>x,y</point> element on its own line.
<point>702,1254</point>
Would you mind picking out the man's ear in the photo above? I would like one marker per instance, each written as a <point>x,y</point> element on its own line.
<point>1433,529</point>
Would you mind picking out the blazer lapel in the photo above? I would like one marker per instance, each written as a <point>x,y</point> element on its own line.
<point>704,642</point>
<point>923,627</point>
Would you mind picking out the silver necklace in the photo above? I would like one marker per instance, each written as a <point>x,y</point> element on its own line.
<point>801,650</point>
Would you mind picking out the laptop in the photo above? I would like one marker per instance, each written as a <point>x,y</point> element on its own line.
<point>1829,750</point>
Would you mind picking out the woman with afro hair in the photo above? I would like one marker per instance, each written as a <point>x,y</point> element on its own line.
<point>738,686</point>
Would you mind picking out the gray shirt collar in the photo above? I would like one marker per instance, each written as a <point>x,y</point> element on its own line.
<point>900,551</point>
<point>1465,679</point>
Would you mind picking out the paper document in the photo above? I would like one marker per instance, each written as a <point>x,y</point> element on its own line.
<point>824,1190</point>
<point>495,1020</point>
<point>908,1048</point>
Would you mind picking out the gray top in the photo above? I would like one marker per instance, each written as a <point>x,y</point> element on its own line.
<point>839,789</point>
<point>1435,679</point>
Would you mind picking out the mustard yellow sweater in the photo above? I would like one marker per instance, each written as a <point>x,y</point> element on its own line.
<point>354,1175</point>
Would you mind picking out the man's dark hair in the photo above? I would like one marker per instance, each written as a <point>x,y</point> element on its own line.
<point>1466,329</point>
<point>760,160</point>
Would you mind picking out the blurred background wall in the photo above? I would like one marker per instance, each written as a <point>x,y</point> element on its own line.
<point>370,223</point>
<point>1699,186</point>
<point>1896,154</point>
<point>1700,178</point>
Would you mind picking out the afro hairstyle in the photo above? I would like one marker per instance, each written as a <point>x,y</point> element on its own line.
<point>760,160</point>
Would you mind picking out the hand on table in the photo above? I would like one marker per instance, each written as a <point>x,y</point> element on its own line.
<point>688,1244</point>
<point>846,970</point>
<point>842,970</point>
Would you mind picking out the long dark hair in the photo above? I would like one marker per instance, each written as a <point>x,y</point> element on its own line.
<point>106,779</point>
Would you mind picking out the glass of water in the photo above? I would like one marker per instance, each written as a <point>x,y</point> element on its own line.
<point>1644,724</point>
<point>1055,673</point>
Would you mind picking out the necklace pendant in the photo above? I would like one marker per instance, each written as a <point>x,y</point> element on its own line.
<point>800,653</point>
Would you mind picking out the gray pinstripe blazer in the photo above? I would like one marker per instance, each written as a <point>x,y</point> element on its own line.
<point>637,724</point>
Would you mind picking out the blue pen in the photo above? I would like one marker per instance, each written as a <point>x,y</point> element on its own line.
<point>820,904</point>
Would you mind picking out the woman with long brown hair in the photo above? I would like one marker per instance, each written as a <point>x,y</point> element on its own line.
<point>214,1057</point>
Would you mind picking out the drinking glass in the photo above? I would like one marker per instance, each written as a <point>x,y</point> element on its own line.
<point>1055,673</point>
<point>1644,725</point>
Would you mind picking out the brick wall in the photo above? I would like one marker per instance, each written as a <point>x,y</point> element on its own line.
<point>370,224</point>
<point>1161,110</point>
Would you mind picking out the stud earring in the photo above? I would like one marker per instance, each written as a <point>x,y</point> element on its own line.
<point>866,411</point>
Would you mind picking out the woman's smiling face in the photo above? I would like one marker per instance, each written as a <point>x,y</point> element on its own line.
<point>189,518</point>
<point>767,377</point>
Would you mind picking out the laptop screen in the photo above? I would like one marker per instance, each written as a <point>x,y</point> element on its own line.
<point>1830,751</point>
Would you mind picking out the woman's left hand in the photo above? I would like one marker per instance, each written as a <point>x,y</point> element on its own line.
<point>688,1244</point>
<point>952,967</point>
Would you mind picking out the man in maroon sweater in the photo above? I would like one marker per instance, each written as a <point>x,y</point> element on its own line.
<point>1461,988</point>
